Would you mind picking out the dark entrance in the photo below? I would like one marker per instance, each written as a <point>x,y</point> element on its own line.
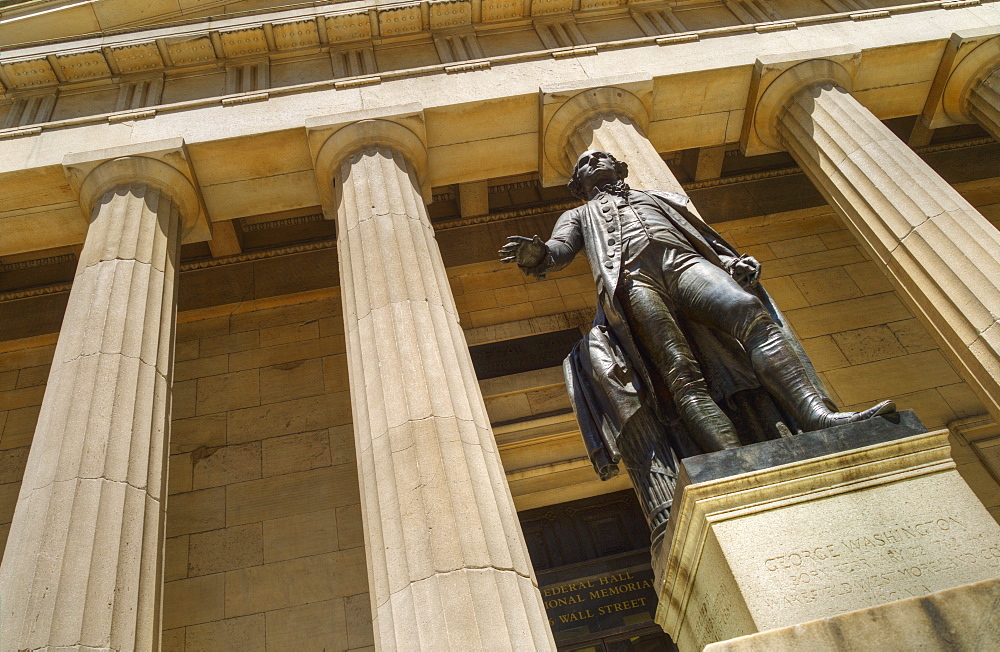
<point>591,558</point>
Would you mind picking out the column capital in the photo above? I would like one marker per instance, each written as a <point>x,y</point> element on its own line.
<point>567,107</point>
<point>163,164</point>
<point>776,79</point>
<point>333,138</point>
<point>970,56</point>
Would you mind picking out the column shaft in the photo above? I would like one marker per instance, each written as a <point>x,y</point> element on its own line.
<point>984,104</point>
<point>447,564</point>
<point>939,252</point>
<point>621,137</point>
<point>83,565</point>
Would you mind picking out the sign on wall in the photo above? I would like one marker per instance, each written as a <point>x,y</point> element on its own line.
<point>600,602</point>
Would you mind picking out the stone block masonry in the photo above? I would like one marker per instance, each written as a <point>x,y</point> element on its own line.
<point>264,535</point>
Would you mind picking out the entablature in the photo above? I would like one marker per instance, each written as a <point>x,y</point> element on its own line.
<point>546,26</point>
<point>250,152</point>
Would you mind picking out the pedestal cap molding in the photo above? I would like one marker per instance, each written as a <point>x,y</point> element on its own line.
<point>970,56</point>
<point>566,107</point>
<point>334,138</point>
<point>162,164</point>
<point>776,80</point>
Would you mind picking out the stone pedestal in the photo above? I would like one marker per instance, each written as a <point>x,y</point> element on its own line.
<point>805,528</point>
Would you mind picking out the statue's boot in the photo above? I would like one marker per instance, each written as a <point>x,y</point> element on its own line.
<point>707,423</point>
<point>815,415</point>
<point>783,375</point>
<point>666,344</point>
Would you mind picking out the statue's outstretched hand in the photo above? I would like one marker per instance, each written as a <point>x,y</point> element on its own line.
<point>529,253</point>
<point>746,271</point>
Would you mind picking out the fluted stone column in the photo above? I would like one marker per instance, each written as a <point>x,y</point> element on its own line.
<point>613,120</point>
<point>984,103</point>
<point>447,565</point>
<point>966,88</point>
<point>940,253</point>
<point>83,564</point>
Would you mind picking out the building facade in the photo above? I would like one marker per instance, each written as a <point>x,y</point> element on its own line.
<point>264,383</point>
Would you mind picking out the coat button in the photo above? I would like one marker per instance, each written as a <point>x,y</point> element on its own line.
<point>612,228</point>
<point>611,241</point>
<point>609,264</point>
<point>606,209</point>
<point>611,254</point>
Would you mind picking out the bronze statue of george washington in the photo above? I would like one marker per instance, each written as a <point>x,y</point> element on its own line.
<point>687,354</point>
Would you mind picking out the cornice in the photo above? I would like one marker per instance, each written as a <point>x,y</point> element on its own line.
<point>958,144</point>
<point>7,5</point>
<point>56,288</point>
<point>311,30</point>
<point>277,224</point>
<point>449,195</point>
<point>258,255</point>
<point>515,185</point>
<point>186,267</point>
<point>741,178</point>
<point>37,262</point>
<point>505,215</point>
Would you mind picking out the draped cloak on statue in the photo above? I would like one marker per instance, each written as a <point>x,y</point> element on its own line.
<point>610,381</point>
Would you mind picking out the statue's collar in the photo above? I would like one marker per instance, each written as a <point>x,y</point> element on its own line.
<point>619,188</point>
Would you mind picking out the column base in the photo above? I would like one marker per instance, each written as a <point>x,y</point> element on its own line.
<point>795,530</point>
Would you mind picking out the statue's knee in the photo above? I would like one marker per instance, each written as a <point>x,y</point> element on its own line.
<point>749,319</point>
<point>689,383</point>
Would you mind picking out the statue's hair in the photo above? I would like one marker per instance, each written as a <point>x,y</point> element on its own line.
<point>575,184</point>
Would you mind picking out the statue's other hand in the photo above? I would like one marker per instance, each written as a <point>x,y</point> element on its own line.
<point>526,252</point>
<point>746,271</point>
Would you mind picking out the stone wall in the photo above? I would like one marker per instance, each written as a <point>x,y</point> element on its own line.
<point>24,369</point>
<point>865,344</point>
<point>265,540</point>
<point>265,546</point>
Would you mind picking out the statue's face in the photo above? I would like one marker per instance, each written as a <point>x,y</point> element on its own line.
<point>596,168</point>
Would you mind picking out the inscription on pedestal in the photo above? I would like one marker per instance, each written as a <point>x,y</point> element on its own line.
<point>811,560</point>
<point>890,564</point>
